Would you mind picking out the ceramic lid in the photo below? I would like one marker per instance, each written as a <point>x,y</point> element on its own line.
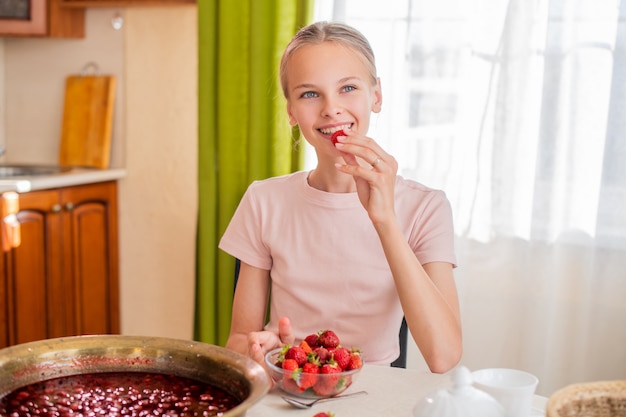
<point>462,399</point>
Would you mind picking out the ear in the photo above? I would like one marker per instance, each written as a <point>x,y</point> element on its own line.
<point>292,120</point>
<point>378,97</point>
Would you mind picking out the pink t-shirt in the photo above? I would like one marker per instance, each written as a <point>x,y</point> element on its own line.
<point>326,262</point>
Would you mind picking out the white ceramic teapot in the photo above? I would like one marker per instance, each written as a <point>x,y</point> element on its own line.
<point>461,400</point>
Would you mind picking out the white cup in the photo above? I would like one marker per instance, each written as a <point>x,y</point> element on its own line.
<point>514,389</point>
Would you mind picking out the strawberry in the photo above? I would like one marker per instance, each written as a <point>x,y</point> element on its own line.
<point>329,339</point>
<point>337,133</point>
<point>322,354</point>
<point>298,354</point>
<point>355,361</point>
<point>327,384</point>
<point>290,365</point>
<point>290,385</point>
<point>324,414</point>
<point>312,340</point>
<point>306,347</point>
<point>342,356</point>
<point>290,376</point>
<point>308,377</point>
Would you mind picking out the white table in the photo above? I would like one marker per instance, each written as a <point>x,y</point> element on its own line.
<point>392,392</point>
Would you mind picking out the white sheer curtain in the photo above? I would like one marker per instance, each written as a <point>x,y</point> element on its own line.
<point>517,109</point>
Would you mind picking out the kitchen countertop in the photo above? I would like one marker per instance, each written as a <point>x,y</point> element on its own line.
<point>75,176</point>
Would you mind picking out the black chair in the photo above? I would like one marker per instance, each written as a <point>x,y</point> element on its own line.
<point>403,335</point>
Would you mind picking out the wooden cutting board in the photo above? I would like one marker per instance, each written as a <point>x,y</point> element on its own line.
<point>87,121</point>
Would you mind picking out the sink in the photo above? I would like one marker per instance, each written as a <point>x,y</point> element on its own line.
<point>26,170</point>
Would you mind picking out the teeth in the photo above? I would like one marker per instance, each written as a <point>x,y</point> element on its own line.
<point>332,130</point>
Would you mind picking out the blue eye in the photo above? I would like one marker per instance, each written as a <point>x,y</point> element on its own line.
<point>308,94</point>
<point>348,88</point>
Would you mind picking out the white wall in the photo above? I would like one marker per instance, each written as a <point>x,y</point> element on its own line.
<point>154,58</point>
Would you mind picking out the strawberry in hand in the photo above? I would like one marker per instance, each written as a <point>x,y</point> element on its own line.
<point>337,134</point>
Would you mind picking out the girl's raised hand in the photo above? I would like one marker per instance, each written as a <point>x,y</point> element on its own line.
<point>374,177</point>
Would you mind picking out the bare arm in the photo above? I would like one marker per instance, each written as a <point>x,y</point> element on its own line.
<point>429,299</point>
<point>248,316</point>
<point>427,293</point>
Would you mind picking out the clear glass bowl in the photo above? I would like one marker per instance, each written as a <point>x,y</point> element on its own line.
<point>302,385</point>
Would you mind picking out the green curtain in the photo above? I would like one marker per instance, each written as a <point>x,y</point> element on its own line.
<point>243,134</point>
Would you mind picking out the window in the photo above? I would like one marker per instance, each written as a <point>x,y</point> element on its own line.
<point>514,108</point>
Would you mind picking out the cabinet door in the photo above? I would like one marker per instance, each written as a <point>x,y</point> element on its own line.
<point>91,256</point>
<point>4,302</point>
<point>35,282</point>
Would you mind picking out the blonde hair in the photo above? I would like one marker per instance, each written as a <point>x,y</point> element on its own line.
<point>320,32</point>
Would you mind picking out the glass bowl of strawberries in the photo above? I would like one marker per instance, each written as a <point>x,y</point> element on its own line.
<point>317,367</point>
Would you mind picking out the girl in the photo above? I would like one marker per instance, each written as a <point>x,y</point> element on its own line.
<point>350,245</point>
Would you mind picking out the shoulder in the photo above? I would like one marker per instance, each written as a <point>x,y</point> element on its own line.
<point>288,181</point>
<point>411,190</point>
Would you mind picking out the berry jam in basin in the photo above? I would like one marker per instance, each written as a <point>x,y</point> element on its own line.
<point>118,393</point>
<point>115,375</point>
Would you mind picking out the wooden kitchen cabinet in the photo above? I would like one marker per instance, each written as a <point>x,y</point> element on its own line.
<point>62,278</point>
<point>120,3</point>
<point>46,18</point>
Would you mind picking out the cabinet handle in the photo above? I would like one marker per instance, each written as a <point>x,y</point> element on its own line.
<point>56,208</point>
<point>69,206</point>
<point>11,234</point>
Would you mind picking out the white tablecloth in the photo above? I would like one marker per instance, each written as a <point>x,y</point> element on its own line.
<point>392,392</point>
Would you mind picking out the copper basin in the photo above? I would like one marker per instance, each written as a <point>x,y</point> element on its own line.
<point>27,363</point>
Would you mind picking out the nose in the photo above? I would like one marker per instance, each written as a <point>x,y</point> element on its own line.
<point>332,107</point>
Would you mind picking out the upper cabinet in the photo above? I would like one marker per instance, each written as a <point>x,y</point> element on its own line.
<point>113,3</point>
<point>44,18</point>
<point>58,18</point>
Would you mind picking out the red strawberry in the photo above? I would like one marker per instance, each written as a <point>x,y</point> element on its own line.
<point>355,361</point>
<point>334,136</point>
<point>324,414</point>
<point>290,385</point>
<point>308,377</point>
<point>298,354</point>
<point>292,370</point>
<point>312,340</point>
<point>329,339</point>
<point>329,381</point>
<point>322,354</point>
<point>342,356</point>
<point>306,347</point>
<point>290,365</point>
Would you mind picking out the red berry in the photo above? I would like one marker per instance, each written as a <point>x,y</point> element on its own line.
<point>329,339</point>
<point>337,133</point>
<point>298,354</point>
<point>322,354</point>
<point>312,340</point>
<point>306,347</point>
<point>342,356</point>
<point>355,361</point>
<point>308,377</point>
<point>330,381</point>
<point>324,414</point>
<point>290,365</point>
